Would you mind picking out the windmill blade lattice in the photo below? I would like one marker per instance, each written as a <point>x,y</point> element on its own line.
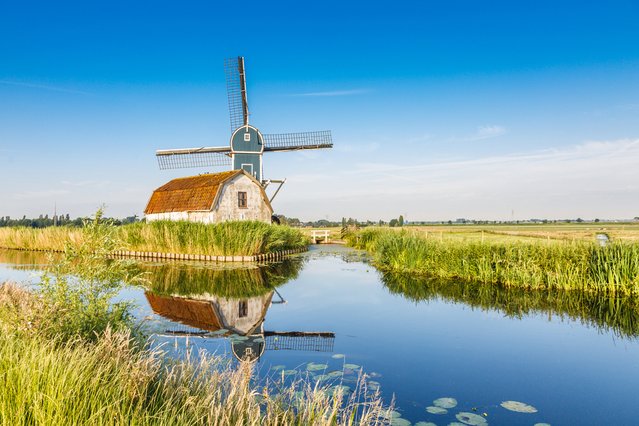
<point>236,91</point>
<point>193,157</point>
<point>296,141</point>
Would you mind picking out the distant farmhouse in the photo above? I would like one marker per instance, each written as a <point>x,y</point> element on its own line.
<point>210,198</point>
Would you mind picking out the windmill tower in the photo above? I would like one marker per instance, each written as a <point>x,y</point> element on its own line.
<point>247,144</point>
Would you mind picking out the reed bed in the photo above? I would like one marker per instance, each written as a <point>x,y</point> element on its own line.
<point>111,381</point>
<point>240,238</point>
<point>613,269</point>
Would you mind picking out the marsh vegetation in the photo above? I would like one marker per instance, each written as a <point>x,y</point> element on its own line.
<point>240,238</point>
<point>612,269</point>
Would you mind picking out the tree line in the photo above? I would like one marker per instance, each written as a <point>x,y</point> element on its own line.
<point>44,221</point>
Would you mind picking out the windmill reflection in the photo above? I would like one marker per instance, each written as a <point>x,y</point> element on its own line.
<point>230,303</point>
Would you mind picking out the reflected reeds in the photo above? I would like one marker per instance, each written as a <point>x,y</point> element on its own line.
<point>25,260</point>
<point>222,281</point>
<point>619,315</point>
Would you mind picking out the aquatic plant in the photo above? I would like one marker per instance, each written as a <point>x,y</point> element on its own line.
<point>238,238</point>
<point>111,382</point>
<point>612,269</point>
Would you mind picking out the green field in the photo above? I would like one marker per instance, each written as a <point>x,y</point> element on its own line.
<point>627,231</point>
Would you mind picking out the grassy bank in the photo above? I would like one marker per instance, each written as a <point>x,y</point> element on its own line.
<point>70,355</point>
<point>584,266</point>
<point>242,238</point>
<point>47,380</point>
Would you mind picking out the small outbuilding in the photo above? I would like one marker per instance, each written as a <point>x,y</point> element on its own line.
<point>210,198</point>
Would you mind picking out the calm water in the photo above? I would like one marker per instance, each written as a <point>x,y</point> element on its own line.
<point>576,359</point>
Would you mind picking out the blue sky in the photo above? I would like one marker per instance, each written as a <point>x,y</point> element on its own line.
<point>439,109</point>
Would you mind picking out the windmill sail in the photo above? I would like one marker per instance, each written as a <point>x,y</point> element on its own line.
<point>296,141</point>
<point>236,91</point>
<point>193,157</point>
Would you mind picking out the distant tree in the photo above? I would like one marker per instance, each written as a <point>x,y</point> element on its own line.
<point>579,220</point>
<point>596,220</point>
<point>400,221</point>
<point>393,223</point>
<point>450,222</point>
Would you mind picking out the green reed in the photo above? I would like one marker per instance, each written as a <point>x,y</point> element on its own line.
<point>613,269</point>
<point>239,238</point>
<point>111,382</point>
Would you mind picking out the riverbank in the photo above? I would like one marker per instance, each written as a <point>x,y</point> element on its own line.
<point>248,239</point>
<point>112,379</point>
<point>573,265</point>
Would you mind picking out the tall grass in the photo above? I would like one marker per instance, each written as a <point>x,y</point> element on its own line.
<point>226,238</point>
<point>45,382</point>
<point>613,269</point>
<point>240,238</point>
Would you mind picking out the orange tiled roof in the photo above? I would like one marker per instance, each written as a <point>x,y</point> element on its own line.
<point>188,194</point>
<point>195,313</point>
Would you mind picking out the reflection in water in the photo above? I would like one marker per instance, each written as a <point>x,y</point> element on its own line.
<point>229,302</point>
<point>619,315</point>
<point>25,260</point>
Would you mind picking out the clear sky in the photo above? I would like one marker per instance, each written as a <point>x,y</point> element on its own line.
<point>439,109</point>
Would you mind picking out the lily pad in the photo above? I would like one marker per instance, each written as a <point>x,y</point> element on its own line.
<point>322,377</point>
<point>542,424</point>
<point>316,367</point>
<point>471,419</point>
<point>425,424</point>
<point>338,356</point>
<point>345,390</point>
<point>375,375</point>
<point>518,407</point>
<point>352,366</point>
<point>289,372</point>
<point>395,414</point>
<point>373,385</point>
<point>278,367</point>
<point>436,410</point>
<point>335,374</point>
<point>446,402</point>
<point>398,421</point>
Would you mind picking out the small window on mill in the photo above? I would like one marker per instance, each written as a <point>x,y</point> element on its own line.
<point>242,201</point>
<point>243,309</point>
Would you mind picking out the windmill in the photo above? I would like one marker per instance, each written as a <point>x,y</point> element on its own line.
<point>247,143</point>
